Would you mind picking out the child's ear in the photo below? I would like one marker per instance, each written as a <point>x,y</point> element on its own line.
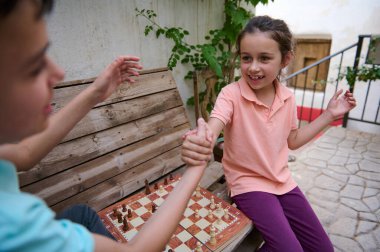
<point>286,60</point>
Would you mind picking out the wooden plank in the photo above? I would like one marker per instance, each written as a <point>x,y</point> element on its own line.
<point>213,173</point>
<point>112,115</point>
<point>90,80</point>
<point>83,149</point>
<point>118,187</point>
<point>65,184</point>
<point>145,85</point>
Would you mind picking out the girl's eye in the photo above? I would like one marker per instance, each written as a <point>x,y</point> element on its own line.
<point>245,58</point>
<point>265,58</point>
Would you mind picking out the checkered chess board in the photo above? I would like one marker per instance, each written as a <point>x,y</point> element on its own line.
<point>193,227</point>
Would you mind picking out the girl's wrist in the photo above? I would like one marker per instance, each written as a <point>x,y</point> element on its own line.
<point>328,116</point>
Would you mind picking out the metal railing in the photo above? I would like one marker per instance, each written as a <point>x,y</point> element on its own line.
<point>316,65</point>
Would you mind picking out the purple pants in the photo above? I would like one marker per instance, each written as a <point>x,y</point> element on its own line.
<point>286,222</point>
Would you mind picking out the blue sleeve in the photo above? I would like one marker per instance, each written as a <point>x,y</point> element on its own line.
<point>27,224</point>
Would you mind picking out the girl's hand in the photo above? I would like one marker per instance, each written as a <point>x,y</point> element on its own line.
<point>119,71</point>
<point>340,105</point>
<point>197,145</point>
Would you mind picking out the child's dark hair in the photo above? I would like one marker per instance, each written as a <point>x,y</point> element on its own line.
<point>276,28</point>
<point>7,6</point>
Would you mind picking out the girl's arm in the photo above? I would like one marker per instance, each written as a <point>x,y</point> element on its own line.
<point>195,151</point>
<point>337,107</point>
<point>31,150</point>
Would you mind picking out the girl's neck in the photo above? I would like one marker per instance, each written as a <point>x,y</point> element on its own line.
<point>266,95</point>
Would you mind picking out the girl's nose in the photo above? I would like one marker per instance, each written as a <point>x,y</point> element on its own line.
<point>254,67</point>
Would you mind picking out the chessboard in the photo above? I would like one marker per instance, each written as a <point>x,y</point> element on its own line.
<point>208,223</point>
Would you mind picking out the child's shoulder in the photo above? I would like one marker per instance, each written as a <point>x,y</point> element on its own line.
<point>232,88</point>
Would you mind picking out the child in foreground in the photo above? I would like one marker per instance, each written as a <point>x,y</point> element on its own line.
<point>258,116</point>
<point>27,134</point>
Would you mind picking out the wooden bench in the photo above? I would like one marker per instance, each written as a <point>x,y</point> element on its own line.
<point>132,136</point>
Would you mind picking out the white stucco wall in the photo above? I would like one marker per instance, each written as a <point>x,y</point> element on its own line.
<point>87,34</point>
<point>344,20</point>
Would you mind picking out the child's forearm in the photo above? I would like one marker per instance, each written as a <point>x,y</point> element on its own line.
<point>298,138</point>
<point>157,231</point>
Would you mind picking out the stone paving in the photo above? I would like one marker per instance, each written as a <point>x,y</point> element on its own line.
<point>340,175</point>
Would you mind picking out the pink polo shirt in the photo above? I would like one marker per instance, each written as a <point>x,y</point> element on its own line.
<point>255,155</point>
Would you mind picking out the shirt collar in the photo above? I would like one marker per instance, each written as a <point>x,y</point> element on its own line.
<point>282,92</point>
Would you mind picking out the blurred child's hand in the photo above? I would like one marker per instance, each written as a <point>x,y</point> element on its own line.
<point>339,105</point>
<point>197,145</point>
<point>119,71</point>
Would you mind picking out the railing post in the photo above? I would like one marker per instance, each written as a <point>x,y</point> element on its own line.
<point>355,68</point>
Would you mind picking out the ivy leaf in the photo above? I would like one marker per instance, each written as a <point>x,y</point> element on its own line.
<point>210,57</point>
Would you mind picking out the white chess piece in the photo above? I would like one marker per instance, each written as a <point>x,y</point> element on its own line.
<point>197,213</point>
<point>210,215</point>
<point>199,247</point>
<point>161,190</point>
<point>219,207</point>
<point>226,216</point>
<point>212,205</point>
<point>198,192</point>
<point>219,221</point>
<point>212,235</point>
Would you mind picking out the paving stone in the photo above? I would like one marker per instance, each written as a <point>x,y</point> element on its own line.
<point>374,146</point>
<point>356,156</point>
<point>376,234</point>
<point>355,180</point>
<point>352,191</point>
<point>320,154</point>
<point>345,211</point>
<point>366,165</point>
<point>345,244</point>
<point>355,204</point>
<point>324,194</point>
<point>372,202</point>
<point>353,168</point>
<point>365,227</point>
<point>328,146</point>
<point>361,149</point>
<point>336,160</point>
<point>348,143</point>
<point>339,169</point>
<point>370,192</point>
<point>368,242</point>
<point>369,175</point>
<point>331,173</point>
<point>372,184</point>
<point>368,216</point>
<point>329,183</point>
<point>331,140</point>
<point>311,162</point>
<point>344,227</point>
<point>327,204</point>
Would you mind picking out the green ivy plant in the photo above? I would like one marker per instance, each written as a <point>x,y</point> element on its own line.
<point>215,59</point>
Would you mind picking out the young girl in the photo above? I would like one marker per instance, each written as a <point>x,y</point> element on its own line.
<point>27,133</point>
<point>258,116</point>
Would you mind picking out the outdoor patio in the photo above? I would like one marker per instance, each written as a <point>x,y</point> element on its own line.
<point>340,175</point>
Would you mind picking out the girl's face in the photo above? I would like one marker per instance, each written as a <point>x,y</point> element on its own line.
<point>27,75</point>
<point>260,60</point>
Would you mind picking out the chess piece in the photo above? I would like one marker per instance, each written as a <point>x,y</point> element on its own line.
<point>171,177</point>
<point>219,221</point>
<point>170,250</point>
<point>125,224</point>
<point>155,186</point>
<point>147,189</point>
<point>154,207</point>
<point>212,205</point>
<point>226,215</point>
<point>199,247</point>
<point>210,215</point>
<point>114,212</point>
<point>212,235</point>
<point>129,213</point>
<point>196,213</point>
<point>119,217</point>
<point>219,207</point>
<point>124,207</point>
<point>165,181</point>
<point>161,190</point>
<point>198,192</point>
